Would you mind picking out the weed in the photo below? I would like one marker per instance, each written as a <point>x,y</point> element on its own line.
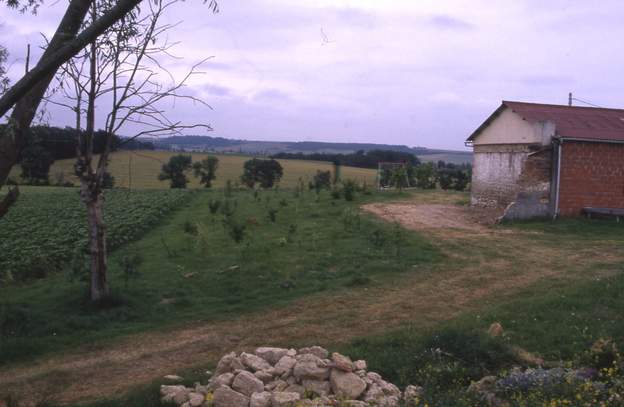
<point>351,219</point>
<point>272,213</point>
<point>190,228</point>
<point>129,263</point>
<point>213,205</point>
<point>348,188</point>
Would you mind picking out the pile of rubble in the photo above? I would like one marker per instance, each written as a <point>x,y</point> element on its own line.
<point>276,377</point>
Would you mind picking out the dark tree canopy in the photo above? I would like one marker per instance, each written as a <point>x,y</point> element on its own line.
<point>361,159</point>
<point>206,170</point>
<point>266,173</point>
<point>175,170</point>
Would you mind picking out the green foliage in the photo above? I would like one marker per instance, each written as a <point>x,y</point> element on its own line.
<point>41,233</point>
<point>175,170</point>
<point>108,181</point>
<point>348,189</point>
<point>206,170</point>
<point>236,229</point>
<point>351,219</point>
<point>129,263</point>
<point>272,213</point>
<point>456,179</point>
<point>190,228</point>
<point>213,277</point>
<point>35,161</point>
<point>266,173</point>
<point>213,205</point>
<point>321,180</point>
<point>425,176</point>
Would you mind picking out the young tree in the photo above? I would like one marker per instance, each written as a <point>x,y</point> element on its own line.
<point>425,176</point>
<point>175,170</point>
<point>121,67</point>
<point>267,173</point>
<point>206,170</point>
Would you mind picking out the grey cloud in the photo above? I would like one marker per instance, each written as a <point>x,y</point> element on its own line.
<point>216,90</point>
<point>449,22</point>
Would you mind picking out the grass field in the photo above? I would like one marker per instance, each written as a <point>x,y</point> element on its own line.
<point>193,268</point>
<point>140,169</point>
<point>323,273</point>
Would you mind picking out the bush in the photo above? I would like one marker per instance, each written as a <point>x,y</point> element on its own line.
<point>266,173</point>
<point>213,205</point>
<point>348,189</point>
<point>206,170</point>
<point>321,180</point>
<point>425,176</point>
<point>175,170</point>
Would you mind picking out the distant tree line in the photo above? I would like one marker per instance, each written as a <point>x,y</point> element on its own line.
<point>361,158</point>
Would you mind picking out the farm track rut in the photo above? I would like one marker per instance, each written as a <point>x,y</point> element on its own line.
<point>466,280</point>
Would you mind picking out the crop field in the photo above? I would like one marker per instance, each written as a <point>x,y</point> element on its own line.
<point>48,225</point>
<point>139,169</point>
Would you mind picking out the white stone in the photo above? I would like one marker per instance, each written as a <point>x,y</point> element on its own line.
<point>317,351</point>
<point>346,384</point>
<point>271,355</point>
<point>318,387</point>
<point>254,362</point>
<point>283,399</point>
<point>360,365</point>
<point>226,397</point>
<point>196,399</point>
<point>246,383</point>
<point>228,364</point>
<point>342,362</point>
<point>224,379</point>
<point>284,365</point>
<point>310,366</point>
<point>262,399</point>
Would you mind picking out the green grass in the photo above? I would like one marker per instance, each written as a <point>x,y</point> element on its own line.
<point>48,226</point>
<point>140,169</point>
<point>311,247</point>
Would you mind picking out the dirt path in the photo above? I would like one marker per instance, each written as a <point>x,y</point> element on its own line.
<point>425,297</point>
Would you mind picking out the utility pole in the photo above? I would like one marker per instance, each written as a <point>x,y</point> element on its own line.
<point>570,99</point>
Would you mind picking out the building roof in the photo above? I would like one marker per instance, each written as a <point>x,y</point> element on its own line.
<point>571,122</point>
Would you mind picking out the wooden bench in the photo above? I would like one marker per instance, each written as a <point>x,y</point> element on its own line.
<point>617,212</point>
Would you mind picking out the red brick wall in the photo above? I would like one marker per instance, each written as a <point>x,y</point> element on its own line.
<point>592,174</point>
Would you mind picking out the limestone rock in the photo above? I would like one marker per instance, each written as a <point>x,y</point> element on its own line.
<point>295,388</point>
<point>173,378</point>
<point>284,399</point>
<point>317,351</point>
<point>271,355</point>
<point>495,330</point>
<point>360,365</point>
<point>284,365</point>
<point>246,383</point>
<point>264,376</point>
<point>262,399</point>
<point>224,379</point>
<point>277,385</point>
<point>346,384</point>
<point>342,362</point>
<point>171,393</point>
<point>228,364</point>
<point>309,366</point>
<point>254,362</point>
<point>317,387</point>
<point>226,397</point>
<point>196,399</point>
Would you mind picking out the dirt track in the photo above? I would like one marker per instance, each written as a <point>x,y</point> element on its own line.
<point>424,298</point>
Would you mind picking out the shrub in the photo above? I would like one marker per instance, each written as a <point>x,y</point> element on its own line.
<point>206,170</point>
<point>236,229</point>
<point>175,170</point>
<point>425,176</point>
<point>272,213</point>
<point>321,180</point>
<point>266,173</point>
<point>213,205</point>
<point>108,181</point>
<point>190,228</point>
<point>336,193</point>
<point>129,264</point>
<point>348,189</point>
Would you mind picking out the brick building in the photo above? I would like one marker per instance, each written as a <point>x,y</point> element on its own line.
<point>538,160</point>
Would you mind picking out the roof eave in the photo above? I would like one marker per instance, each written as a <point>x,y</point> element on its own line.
<point>486,123</point>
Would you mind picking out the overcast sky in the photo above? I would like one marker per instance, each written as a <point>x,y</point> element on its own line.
<point>414,72</point>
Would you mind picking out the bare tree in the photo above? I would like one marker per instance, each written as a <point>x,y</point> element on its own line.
<point>26,94</point>
<point>123,70</point>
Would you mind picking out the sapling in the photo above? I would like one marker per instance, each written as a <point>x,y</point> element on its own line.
<point>213,205</point>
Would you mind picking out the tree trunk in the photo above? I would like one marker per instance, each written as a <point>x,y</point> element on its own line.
<point>94,201</point>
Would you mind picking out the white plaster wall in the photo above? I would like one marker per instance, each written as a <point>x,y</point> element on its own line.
<point>510,128</point>
<point>495,177</point>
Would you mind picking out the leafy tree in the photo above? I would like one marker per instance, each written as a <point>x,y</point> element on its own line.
<point>321,180</point>
<point>175,170</point>
<point>206,170</point>
<point>399,178</point>
<point>35,161</point>
<point>425,176</point>
<point>267,173</point>
<point>445,178</point>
